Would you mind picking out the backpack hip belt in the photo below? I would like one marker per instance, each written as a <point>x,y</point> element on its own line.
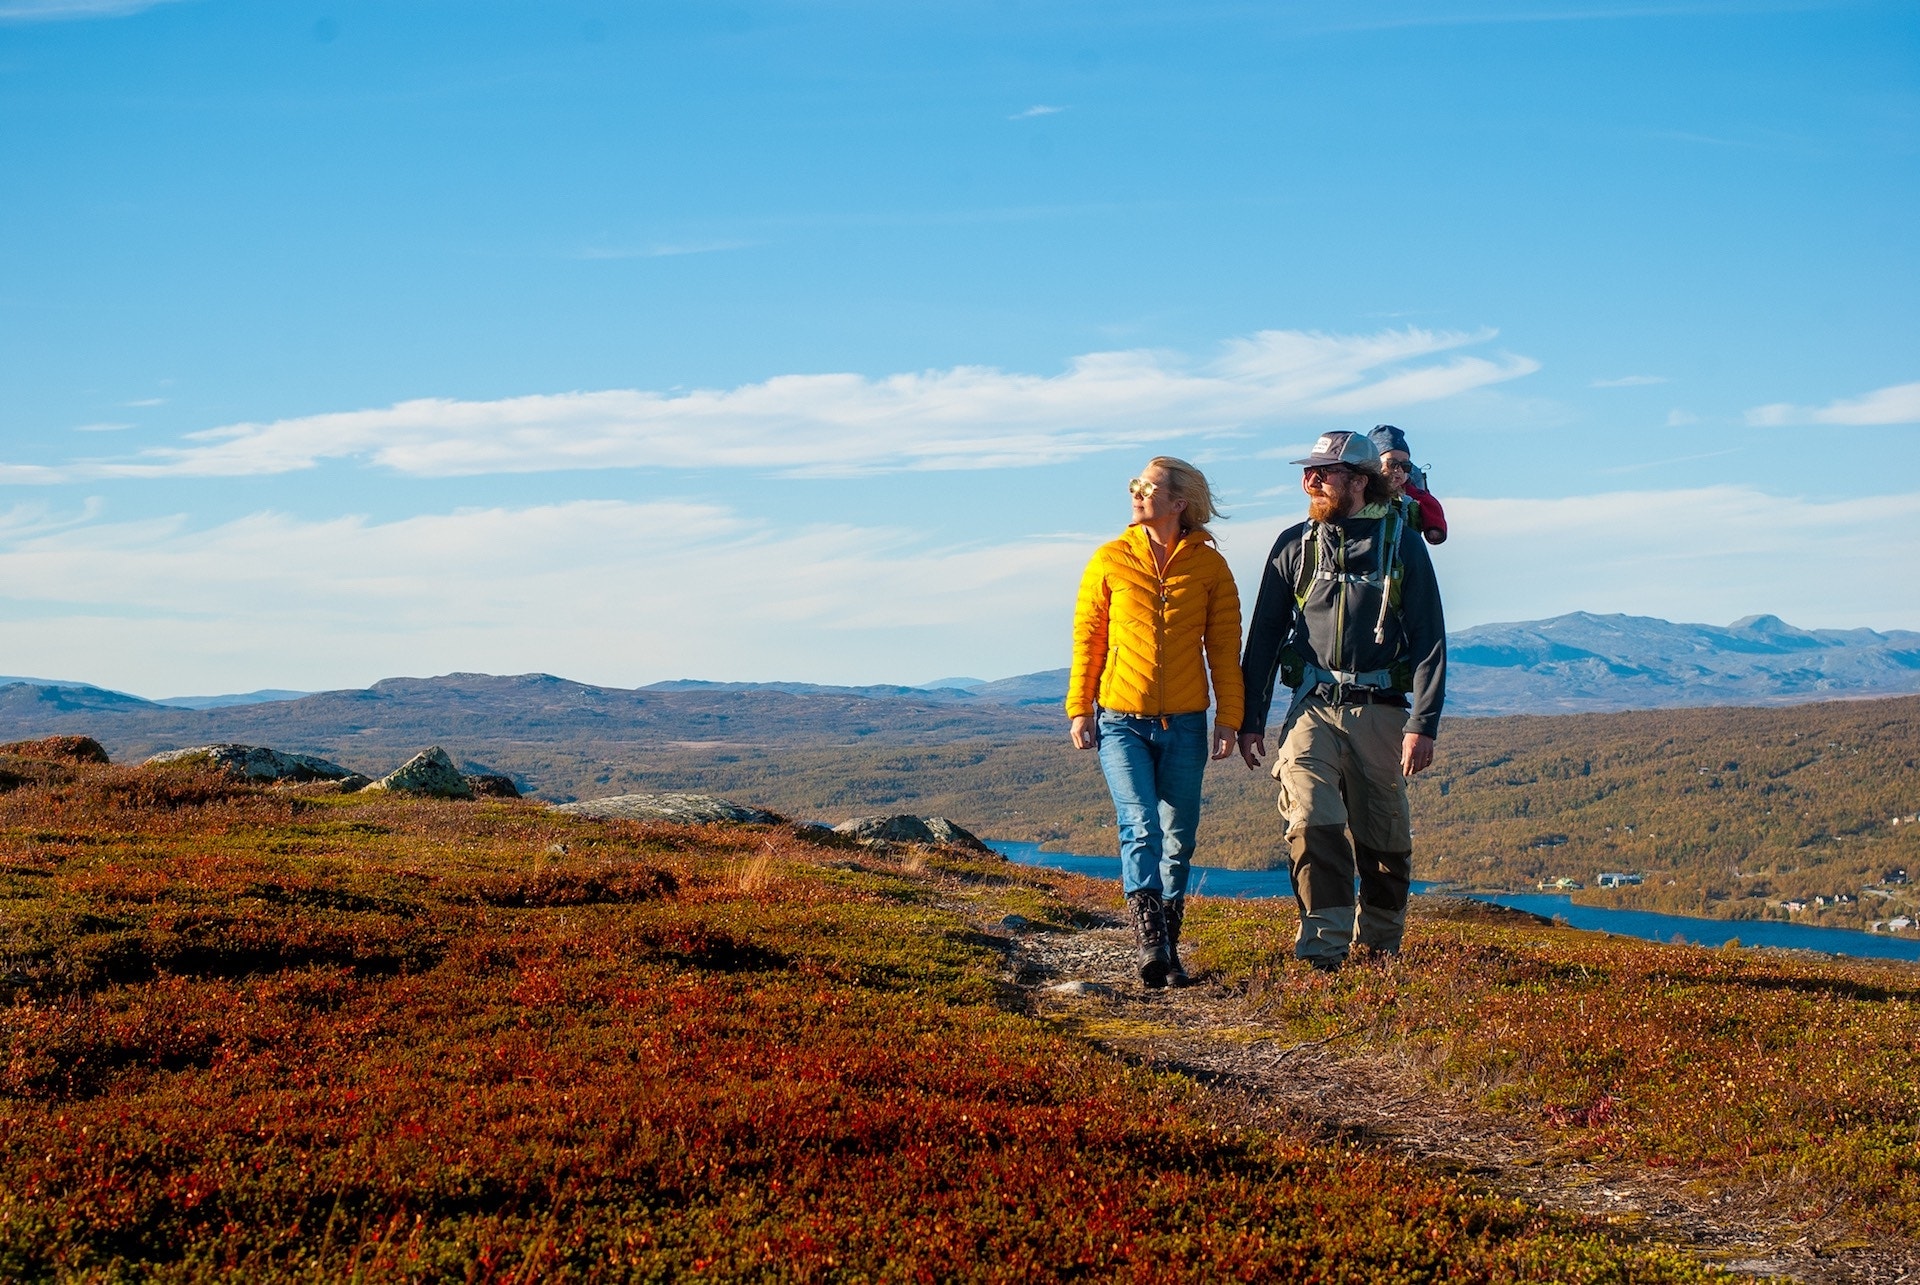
<point>1344,680</point>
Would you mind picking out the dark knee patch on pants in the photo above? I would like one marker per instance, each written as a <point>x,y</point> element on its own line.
<point>1323,866</point>
<point>1384,877</point>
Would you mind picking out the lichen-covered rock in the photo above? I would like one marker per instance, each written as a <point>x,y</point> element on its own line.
<point>256,763</point>
<point>692,809</point>
<point>68,749</point>
<point>430,772</point>
<point>493,785</point>
<point>910,829</point>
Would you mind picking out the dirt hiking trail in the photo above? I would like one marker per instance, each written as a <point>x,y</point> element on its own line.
<point>1337,1090</point>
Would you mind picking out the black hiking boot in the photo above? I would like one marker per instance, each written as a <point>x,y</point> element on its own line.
<point>1176,914</point>
<point>1150,934</point>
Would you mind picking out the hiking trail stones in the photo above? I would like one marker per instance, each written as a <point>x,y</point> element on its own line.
<point>257,763</point>
<point>910,829</point>
<point>429,772</point>
<point>691,809</point>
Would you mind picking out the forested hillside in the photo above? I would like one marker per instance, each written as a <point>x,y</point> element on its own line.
<point>1725,812</point>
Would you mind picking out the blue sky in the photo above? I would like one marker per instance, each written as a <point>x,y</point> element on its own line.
<point>816,340</point>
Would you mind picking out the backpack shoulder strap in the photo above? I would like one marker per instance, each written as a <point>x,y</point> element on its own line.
<point>1390,566</point>
<point>1309,564</point>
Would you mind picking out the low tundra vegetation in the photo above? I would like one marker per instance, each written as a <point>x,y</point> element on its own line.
<point>250,1035</point>
<point>1794,1077</point>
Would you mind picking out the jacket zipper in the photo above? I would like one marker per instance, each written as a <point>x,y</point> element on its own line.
<point>1160,670</point>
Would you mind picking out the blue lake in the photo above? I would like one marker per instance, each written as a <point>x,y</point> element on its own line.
<point>1212,881</point>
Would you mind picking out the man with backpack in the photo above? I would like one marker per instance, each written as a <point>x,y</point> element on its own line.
<point>1349,617</point>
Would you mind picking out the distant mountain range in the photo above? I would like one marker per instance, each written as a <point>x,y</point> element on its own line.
<point>1047,687</point>
<point>177,702</point>
<point>1578,663</point>
<point>562,736</point>
<point>548,732</point>
<point>1586,663</point>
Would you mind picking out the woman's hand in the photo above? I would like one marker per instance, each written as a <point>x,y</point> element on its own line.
<point>1083,733</point>
<point>1225,741</point>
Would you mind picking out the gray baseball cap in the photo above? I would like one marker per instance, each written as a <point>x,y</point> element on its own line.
<point>1355,450</point>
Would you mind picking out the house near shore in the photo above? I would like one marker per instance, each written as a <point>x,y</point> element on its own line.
<point>1562,884</point>
<point>1614,879</point>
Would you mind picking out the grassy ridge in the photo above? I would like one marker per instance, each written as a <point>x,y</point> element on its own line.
<point>1727,811</point>
<point>254,1036</point>
<point>1777,1075</point>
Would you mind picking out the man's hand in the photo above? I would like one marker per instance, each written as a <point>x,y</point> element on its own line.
<point>1416,753</point>
<point>1252,746</point>
<point>1223,740</point>
<point>1082,731</point>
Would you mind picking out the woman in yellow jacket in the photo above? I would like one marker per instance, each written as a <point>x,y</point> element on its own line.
<point>1157,614</point>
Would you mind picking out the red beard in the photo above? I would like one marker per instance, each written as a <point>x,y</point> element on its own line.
<point>1324,507</point>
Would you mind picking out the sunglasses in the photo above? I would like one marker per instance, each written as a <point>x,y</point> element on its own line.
<point>1142,490</point>
<point>1396,466</point>
<point>1323,472</point>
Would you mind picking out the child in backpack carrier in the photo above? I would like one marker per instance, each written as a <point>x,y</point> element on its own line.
<point>1409,484</point>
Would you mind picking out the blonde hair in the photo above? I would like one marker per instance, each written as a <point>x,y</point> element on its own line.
<point>1185,482</point>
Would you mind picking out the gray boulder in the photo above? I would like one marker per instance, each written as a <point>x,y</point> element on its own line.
<point>493,785</point>
<point>692,809</point>
<point>910,829</point>
<point>429,772</point>
<point>257,763</point>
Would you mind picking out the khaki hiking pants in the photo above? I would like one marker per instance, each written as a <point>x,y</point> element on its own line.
<point>1339,770</point>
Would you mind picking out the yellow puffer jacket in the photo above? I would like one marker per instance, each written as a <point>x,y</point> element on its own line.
<point>1144,645</point>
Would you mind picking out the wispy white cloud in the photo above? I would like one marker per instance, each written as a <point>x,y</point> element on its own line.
<point>1038,109</point>
<point>100,428</point>
<point>146,401</point>
<point>21,521</point>
<point>57,10</point>
<point>1899,404</point>
<point>624,592</point>
<point>32,475</point>
<point>272,598</point>
<point>1629,381</point>
<point>1641,466</point>
<point>1745,552</point>
<point>1677,418</point>
<point>966,417</point>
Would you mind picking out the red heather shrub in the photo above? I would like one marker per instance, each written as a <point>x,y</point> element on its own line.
<point>402,1040</point>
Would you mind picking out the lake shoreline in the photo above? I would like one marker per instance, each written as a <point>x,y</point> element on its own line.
<point>1560,908</point>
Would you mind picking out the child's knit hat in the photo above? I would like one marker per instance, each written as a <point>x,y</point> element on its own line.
<point>1388,438</point>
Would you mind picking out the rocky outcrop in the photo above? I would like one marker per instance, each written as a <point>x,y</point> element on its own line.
<point>493,785</point>
<point>910,829</point>
<point>61,749</point>
<point>691,809</point>
<point>430,772</point>
<point>257,763</point>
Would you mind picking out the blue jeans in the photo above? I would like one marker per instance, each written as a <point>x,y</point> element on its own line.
<point>1153,773</point>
